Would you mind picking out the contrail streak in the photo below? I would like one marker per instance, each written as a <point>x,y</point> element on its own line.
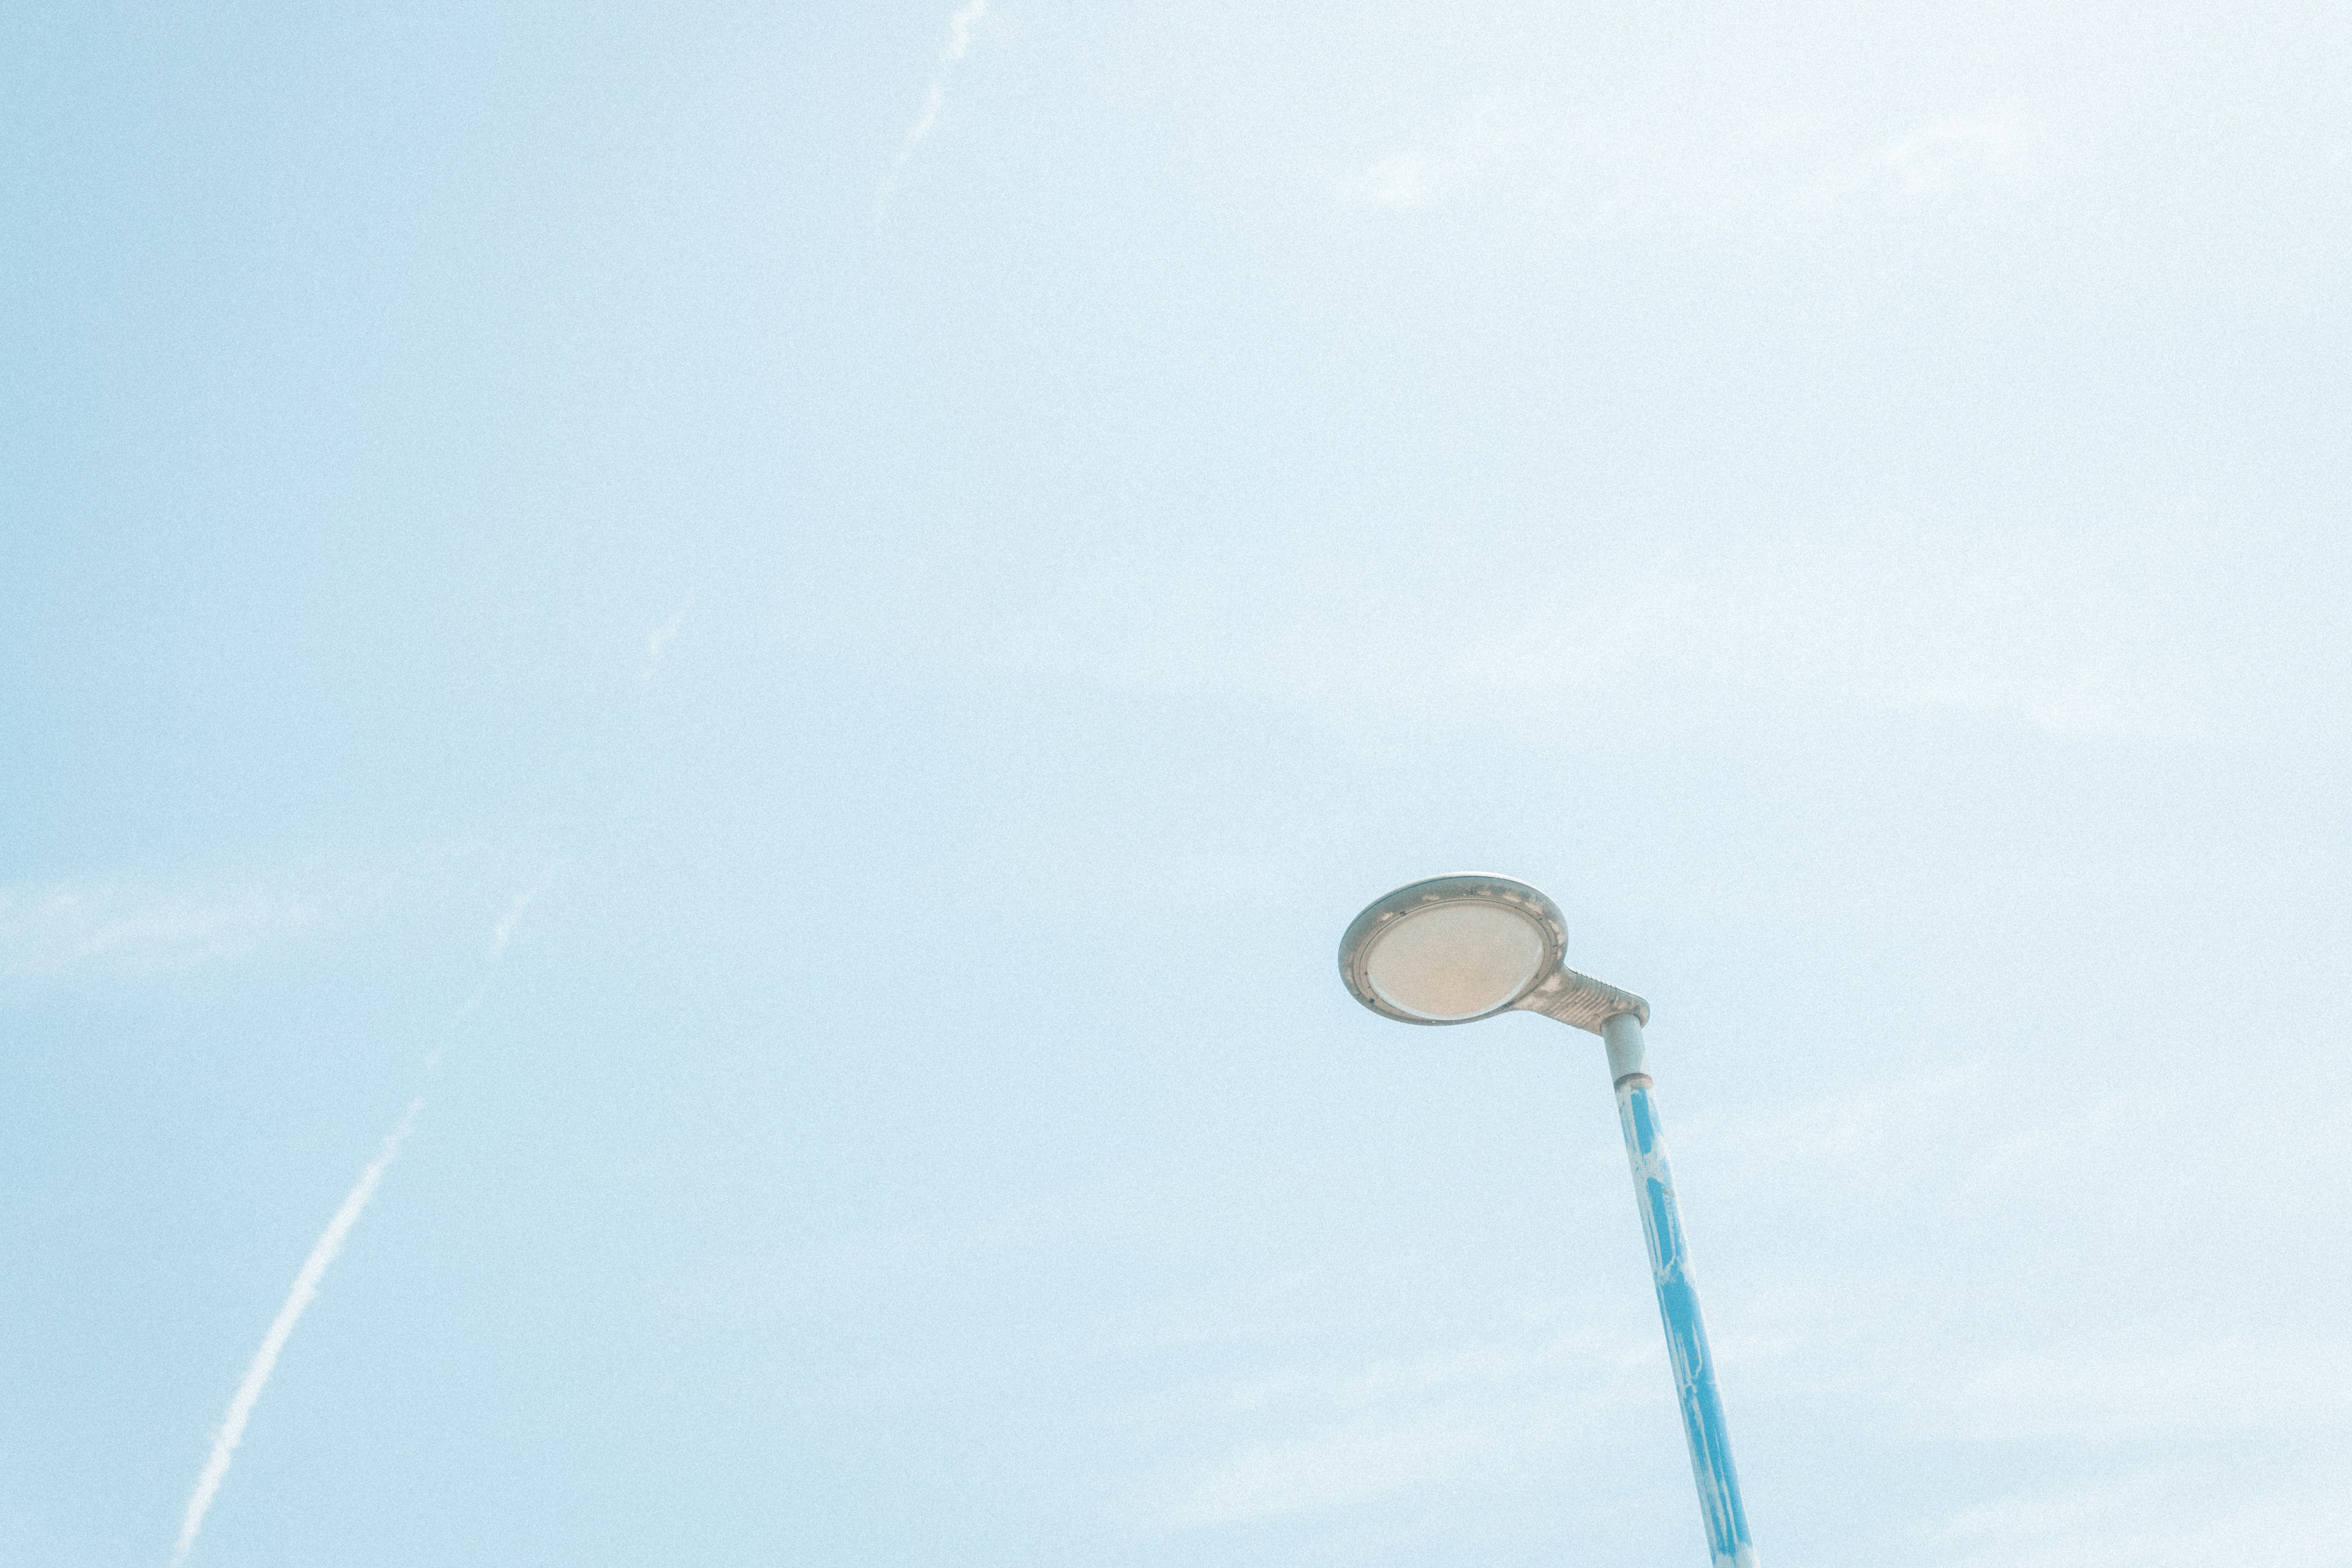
<point>264,1360</point>
<point>314,1268</point>
<point>960,29</point>
<point>505,931</point>
<point>498,940</point>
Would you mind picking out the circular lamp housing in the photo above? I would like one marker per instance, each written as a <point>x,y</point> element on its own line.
<point>1453,950</point>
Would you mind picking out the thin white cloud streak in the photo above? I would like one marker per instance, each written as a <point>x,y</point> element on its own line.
<point>504,931</point>
<point>932,103</point>
<point>314,1268</point>
<point>103,927</point>
<point>960,31</point>
<point>281,1329</point>
<point>2205,1389</point>
<point>2081,632</point>
<point>501,934</point>
<point>960,27</point>
<point>2129,1527</point>
<point>1438,163</point>
<point>657,641</point>
<point>1936,161</point>
<point>1497,1422</point>
<point>1936,158</point>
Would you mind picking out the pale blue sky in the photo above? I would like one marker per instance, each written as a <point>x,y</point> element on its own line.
<point>949,552</point>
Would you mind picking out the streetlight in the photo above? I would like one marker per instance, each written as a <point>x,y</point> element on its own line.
<point>1454,949</point>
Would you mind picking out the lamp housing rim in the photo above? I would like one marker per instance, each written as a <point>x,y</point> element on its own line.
<point>1431,892</point>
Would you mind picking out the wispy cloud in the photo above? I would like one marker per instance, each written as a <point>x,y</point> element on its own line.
<point>1406,180</point>
<point>1311,1473</point>
<point>657,641</point>
<point>1434,163</point>
<point>1535,171</point>
<point>2138,1526</point>
<point>967,17</point>
<point>961,25</point>
<point>1320,1441</point>
<point>127,928</point>
<point>2085,631</point>
<point>503,933</point>
<point>2206,1389</point>
<point>1851,1124</point>
<point>281,1329</point>
<point>1940,158</point>
<point>1937,157</point>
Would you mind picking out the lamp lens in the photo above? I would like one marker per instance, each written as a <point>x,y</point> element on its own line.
<point>1454,961</point>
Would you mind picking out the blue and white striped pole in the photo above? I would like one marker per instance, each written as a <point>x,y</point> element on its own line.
<point>1654,1189</point>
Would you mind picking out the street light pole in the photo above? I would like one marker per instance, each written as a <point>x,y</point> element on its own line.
<point>1453,950</point>
<point>1662,1226</point>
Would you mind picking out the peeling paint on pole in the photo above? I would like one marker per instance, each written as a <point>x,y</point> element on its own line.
<point>1654,1189</point>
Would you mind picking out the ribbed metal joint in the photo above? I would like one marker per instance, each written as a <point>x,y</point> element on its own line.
<point>1582,1001</point>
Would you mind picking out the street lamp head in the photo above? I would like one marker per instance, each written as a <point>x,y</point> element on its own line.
<point>1452,950</point>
